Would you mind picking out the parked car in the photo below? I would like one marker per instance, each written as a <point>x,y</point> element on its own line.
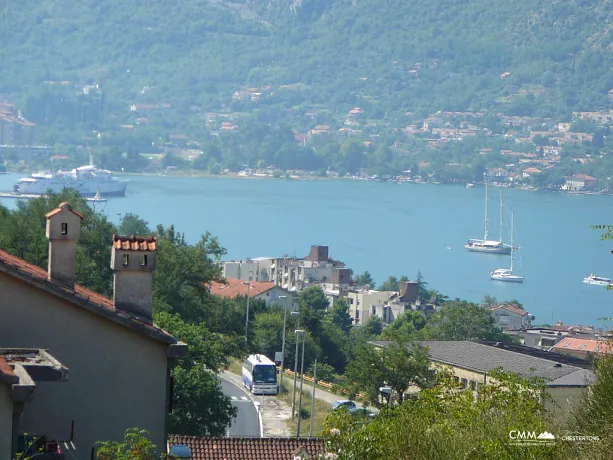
<point>347,404</point>
<point>362,412</point>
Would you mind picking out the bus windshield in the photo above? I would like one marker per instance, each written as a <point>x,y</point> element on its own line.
<point>264,374</point>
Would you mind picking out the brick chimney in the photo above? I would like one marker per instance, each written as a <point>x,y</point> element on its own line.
<point>63,230</point>
<point>133,261</point>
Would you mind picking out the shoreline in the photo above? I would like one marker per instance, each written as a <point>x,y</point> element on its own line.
<point>194,174</point>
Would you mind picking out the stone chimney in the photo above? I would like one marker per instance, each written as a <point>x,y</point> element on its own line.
<point>133,261</point>
<point>63,230</point>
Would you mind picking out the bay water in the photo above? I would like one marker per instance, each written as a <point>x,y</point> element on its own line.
<point>395,229</point>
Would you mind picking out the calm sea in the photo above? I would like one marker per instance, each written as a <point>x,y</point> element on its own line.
<point>396,229</point>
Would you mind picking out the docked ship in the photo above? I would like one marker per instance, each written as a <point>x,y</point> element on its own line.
<point>87,180</point>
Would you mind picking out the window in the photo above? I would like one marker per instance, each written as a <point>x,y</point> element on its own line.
<point>64,228</point>
<point>374,310</point>
<point>357,314</point>
<point>473,385</point>
<point>143,260</point>
<point>548,342</point>
<point>126,260</point>
<point>465,383</point>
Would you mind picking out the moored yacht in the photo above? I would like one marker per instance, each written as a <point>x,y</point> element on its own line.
<point>485,244</point>
<point>597,280</point>
<point>507,274</point>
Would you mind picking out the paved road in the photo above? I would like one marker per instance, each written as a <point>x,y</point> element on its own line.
<point>274,412</point>
<point>247,422</point>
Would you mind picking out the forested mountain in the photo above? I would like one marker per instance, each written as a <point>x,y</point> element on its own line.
<point>540,57</point>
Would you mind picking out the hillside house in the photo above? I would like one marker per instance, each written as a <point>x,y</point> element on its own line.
<point>580,183</point>
<point>266,291</point>
<point>511,318</point>
<point>119,360</point>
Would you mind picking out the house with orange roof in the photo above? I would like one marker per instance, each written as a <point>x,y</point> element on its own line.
<point>583,348</point>
<point>529,172</point>
<point>119,360</point>
<point>263,290</point>
<point>580,183</point>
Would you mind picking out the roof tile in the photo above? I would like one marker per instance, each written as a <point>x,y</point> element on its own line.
<point>217,448</point>
<point>63,205</point>
<point>135,243</point>
<point>235,287</point>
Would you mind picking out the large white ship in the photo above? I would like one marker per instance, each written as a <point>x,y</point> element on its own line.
<point>87,180</point>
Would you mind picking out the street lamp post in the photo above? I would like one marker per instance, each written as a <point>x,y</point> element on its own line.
<point>295,369</point>
<point>284,297</point>
<point>301,383</point>
<point>248,284</point>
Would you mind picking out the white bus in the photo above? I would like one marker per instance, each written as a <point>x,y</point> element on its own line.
<point>260,375</point>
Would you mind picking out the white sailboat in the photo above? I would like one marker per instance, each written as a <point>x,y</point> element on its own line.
<point>507,274</point>
<point>485,244</point>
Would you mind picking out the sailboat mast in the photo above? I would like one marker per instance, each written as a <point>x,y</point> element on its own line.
<point>512,231</point>
<point>485,237</point>
<point>501,214</point>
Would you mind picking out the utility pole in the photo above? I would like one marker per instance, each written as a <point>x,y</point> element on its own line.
<point>283,343</point>
<point>248,283</point>
<point>313,399</point>
<point>295,368</point>
<point>301,383</point>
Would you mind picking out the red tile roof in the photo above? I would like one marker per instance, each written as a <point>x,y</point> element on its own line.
<point>6,368</point>
<point>583,345</point>
<point>135,243</point>
<point>510,308</point>
<point>80,296</point>
<point>63,205</point>
<point>235,287</point>
<point>210,448</point>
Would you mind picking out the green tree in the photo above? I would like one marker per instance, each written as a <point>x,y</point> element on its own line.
<point>312,305</point>
<point>268,332</point>
<point>391,284</point>
<point>184,271</point>
<point>405,326</point>
<point>135,446</point>
<point>339,315</point>
<point>132,224</point>
<point>461,320</point>
<point>365,280</point>
<point>399,366</point>
<point>199,405</point>
<point>448,422</point>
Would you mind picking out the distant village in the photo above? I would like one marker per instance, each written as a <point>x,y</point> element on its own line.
<point>540,142</point>
<point>277,280</point>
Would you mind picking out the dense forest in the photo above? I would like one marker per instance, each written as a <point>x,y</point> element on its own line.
<point>322,52</point>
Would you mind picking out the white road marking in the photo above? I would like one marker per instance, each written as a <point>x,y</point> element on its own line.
<point>244,398</point>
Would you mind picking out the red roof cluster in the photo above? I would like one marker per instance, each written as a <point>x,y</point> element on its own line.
<point>213,448</point>
<point>135,243</point>
<point>235,287</point>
